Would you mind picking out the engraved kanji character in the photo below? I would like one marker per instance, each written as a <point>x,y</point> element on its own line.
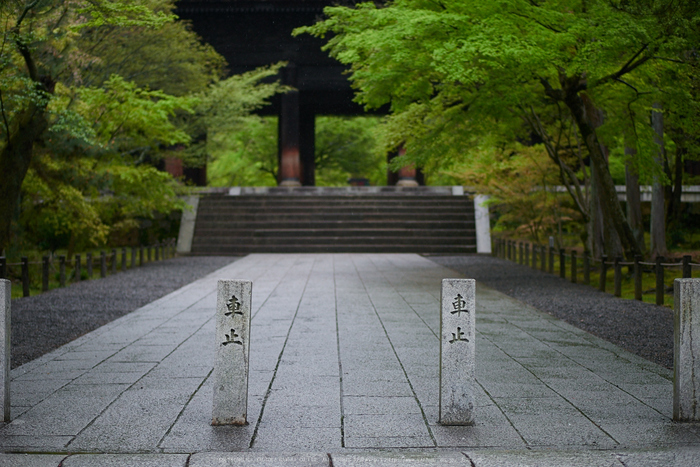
<point>458,336</point>
<point>459,306</point>
<point>234,306</point>
<point>231,338</point>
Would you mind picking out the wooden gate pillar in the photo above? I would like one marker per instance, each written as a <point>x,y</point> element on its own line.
<point>288,131</point>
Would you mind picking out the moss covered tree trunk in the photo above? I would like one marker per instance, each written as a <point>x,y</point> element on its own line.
<point>612,210</point>
<point>14,163</point>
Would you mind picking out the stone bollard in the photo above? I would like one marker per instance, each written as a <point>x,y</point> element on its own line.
<point>233,311</point>
<point>5,301</point>
<point>457,347</point>
<point>686,350</point>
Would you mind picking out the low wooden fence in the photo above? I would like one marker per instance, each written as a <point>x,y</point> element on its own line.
<point>544,257</point>
<point>105,262</point>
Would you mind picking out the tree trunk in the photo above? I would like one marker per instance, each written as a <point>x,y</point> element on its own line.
<point>658,202</point>
<point>634,198</point>
<point>595,226</point>
<point>612,211</point>
<point>14,163</point>
<point>674,212</point>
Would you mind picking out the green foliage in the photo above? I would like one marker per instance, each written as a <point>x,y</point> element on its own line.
<point>170,58</point>
<point>101,89</point>
<point>457,74</point>
<point>53,213</point>
<point>246,157</point>
<point>347,147</point>
<point>241,147</point>
<point>124,116</point>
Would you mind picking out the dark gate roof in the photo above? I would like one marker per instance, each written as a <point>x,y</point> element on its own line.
<point>253,33</point>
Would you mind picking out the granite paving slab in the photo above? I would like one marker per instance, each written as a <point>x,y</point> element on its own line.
<point>344,354</point>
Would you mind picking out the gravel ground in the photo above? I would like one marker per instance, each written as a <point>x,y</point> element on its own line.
<point>45,322</point>
<point>641,328</point>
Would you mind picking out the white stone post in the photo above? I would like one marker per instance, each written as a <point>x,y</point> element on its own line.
<point>187,222</point>
<point>686,350</point>
<point>482,224</point>
<point>457,351</point>
<point>233,305</point>
<point>5,300</point>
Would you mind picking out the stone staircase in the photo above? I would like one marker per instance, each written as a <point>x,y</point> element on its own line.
<point>323,221</point>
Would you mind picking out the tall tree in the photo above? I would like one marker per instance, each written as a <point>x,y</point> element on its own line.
<point>657,228</point>
<point>490,63</point>
<point>38,50</point>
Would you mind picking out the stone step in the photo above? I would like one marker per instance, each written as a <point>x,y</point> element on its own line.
<point>243,249</point>
<point>352,211</point>
<point>264,216</point>
<point>320,223</point>
<point>447,201</point>
<point>229,225</point>
<point>218,234</point>
<point>332,240</point>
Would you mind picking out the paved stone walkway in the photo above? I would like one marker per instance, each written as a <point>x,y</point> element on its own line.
<point>344,360</point>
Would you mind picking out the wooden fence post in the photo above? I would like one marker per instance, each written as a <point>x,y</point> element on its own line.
<point>62,270</point>
<point>637,278</point>
<point>687,268</point>
<point>114,261</point>
<point>3,267</point>
<point>551,260</point>
<point>520,253</point>
<point>133,257</point>
<point>562,264</point>
<point>25,276</point>
<point>141,255</point>
<point>618,277</point>
<point>659,281</point>
<point>123,259</point>
<point>603,273</point>
<point>586,268</point>
<point>103,264</point>
<point>77,270</point>
<point>45,274</point>
<point>527,255</point>
<point>543,254</point>
<point>574,272</point>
